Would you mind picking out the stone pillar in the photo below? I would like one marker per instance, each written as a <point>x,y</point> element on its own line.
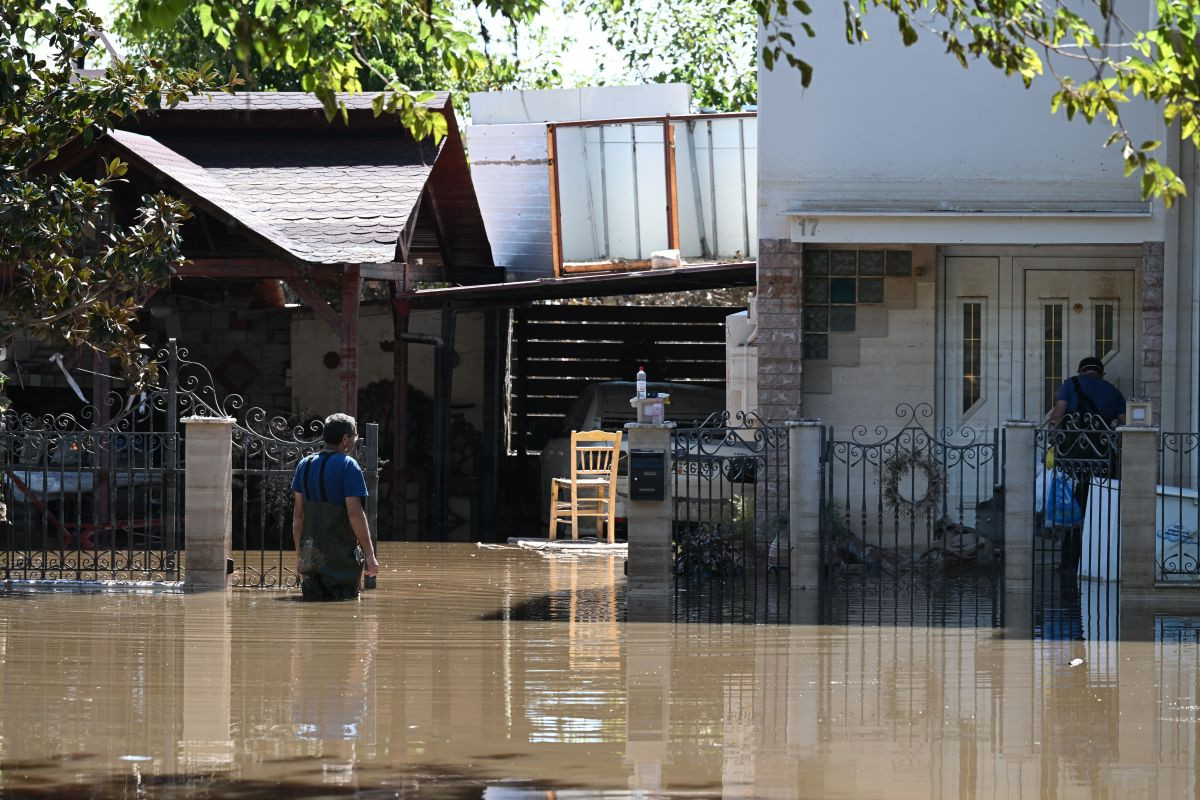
<point>208,501</point>
<point>1020,454</point>
<point>804,498</point>
<point>651,565</point>
<point>1138,488</point>
<point>780,347</point>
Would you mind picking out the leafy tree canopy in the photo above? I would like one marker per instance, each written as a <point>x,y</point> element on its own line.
<point>67,275</point>
<point>1100,60</point>
<point>707,44</point>
<point>396,47</point>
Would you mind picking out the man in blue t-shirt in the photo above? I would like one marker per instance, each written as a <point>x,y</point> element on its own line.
<point>329,519</point>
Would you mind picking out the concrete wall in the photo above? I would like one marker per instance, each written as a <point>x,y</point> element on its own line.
<point>242,341</point>
<point>885,128</point>
<point>315,387</point>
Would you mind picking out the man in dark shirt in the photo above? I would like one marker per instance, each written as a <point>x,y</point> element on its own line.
<point>1105,398</point>
<point>1097,405</point>
<point>329,519</point>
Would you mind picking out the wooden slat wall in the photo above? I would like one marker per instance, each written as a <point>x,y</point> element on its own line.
<point>558,350</point>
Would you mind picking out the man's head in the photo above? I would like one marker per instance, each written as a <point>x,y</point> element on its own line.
<point>340,431</point>
<point>1093,365</point>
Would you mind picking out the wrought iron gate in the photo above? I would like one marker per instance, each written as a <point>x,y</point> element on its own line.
<point>98,496</point>
<point>266,451</point>
<point>730,533</point>
<point>909,514</point>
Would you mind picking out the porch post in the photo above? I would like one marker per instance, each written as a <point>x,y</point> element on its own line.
<point>804,495</point>
<point>400,311</point>
<point>1138,515</point>
<point>650,570</point>
<point>349,332</point>
<point>1019,524</point>
<point>208,502</point>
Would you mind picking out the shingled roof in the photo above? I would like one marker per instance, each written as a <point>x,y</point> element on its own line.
<point>288,101</point>
<point>336,195</point>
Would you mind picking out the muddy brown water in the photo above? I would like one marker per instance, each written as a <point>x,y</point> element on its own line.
<point>507,674</point>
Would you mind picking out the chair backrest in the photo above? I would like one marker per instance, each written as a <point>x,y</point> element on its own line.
<point>594,454</point>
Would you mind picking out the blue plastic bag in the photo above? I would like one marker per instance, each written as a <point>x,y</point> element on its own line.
<point>1062,509</point>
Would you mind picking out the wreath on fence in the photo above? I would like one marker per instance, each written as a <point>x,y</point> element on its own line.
<point>894,470</point>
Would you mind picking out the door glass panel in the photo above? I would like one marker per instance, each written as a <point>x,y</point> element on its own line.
<point>1104,328</point>
<point>1052,353</point>
<point>972,358</point>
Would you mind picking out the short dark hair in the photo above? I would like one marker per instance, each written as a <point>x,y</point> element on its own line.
<point>337,426</point>
<point>1091,364</point>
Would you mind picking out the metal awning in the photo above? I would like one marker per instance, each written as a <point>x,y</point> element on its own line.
<point>653,281</point>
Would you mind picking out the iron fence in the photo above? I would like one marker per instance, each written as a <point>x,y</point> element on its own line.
<point>1177,552</point>
<point>730,532</point>
<point>908,513</point>
<point>98,496</point>
<point>1077,510</point>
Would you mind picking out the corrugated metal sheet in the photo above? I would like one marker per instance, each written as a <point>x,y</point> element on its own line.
<point>510,169</point>
<point>570,105</point>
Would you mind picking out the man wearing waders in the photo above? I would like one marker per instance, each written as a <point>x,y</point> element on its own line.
<point>329,524</point>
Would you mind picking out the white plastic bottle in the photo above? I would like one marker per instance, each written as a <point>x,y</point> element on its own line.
<point>641,383</point>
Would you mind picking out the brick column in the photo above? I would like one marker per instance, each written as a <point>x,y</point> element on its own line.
<point>1151,357</point>
<point>208,501</point>
<point>651,564</point>
<point>780,268</point>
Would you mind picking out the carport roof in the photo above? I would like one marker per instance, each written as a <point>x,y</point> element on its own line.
<point>677,279</point>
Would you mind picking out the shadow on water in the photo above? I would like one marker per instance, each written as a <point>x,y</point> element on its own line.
<point>22,780</point>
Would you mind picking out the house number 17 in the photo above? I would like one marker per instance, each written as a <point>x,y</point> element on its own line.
<point>808,226</point>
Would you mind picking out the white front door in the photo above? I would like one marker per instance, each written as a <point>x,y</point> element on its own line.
<point>1013,327</point>
<point>1070,315</point>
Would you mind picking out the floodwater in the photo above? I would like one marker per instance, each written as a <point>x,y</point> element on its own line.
<point>506,674</point>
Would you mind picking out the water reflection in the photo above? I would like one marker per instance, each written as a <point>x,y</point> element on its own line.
<point>443,683</point>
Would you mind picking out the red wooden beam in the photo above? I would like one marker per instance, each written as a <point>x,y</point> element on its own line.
<point>249,268</point>
<point>351,290</point>
<point>314,301</point>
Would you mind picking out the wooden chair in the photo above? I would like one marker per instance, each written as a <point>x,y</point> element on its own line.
<point>592,486</point>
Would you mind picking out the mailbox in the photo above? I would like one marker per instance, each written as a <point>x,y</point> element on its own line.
<point>647,474</point>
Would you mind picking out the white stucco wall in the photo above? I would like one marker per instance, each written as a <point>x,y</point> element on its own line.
<point>906,136</point>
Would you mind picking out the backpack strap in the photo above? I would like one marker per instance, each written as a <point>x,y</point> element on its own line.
<point>1085,403</point>
<point>324,457</point>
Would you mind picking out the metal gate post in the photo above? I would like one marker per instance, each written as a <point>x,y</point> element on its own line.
<point>804,493</point>
<point>372,459</point>
<point>1138,514</point>
<point>651,560</point>
<point>208,502</point>
<point>1019,455</point>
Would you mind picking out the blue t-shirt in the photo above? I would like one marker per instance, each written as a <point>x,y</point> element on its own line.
<point>343,478</point>
<point>1107,398</point>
